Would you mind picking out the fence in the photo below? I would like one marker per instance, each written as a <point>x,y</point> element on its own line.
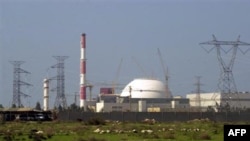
<point>158,116</point>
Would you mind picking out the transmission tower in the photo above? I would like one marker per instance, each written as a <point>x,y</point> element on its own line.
<point>60,93</point>
<point>198,93</point>
<point>226,83</point>
<point>17,83</point>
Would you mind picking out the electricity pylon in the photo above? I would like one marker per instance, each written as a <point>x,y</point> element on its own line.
<point>17,83</point>
<point>226,85</point>
<point>60,78</point>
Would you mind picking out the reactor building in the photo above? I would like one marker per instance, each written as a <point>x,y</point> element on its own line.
<point>141,95</point>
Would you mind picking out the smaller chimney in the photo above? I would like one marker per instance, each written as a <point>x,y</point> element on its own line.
<point>46,94</point>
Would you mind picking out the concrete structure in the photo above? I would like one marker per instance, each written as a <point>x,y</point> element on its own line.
<point>45,94</point>
<point>145,88</point>
<point>149,95</point>
<point>143,105</point>
<point>234,101</point>
<point>141,95</point>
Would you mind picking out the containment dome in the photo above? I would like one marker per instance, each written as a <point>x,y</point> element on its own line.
<point>145,88</point>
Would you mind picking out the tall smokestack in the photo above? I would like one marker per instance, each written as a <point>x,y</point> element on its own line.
<point>45,94</point>
<point>83,72</point>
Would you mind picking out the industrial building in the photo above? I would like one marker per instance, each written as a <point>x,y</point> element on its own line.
<point>151,95</point>
<point>217,100</point>
<point>141,95</point>
<point>26,114</point>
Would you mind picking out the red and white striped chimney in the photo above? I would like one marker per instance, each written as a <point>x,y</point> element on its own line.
<point>83,72</point>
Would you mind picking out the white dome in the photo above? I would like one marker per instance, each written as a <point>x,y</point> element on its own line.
<point>145,88</point>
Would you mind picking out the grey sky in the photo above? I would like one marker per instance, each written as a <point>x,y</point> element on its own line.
<point>132,30</point>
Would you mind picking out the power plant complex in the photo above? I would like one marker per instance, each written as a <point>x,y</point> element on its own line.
<point>145,94</point>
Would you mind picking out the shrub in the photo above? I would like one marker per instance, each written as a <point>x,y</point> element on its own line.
<point>80,139</point>
<point>19,133</point>
<point>7,138</point>
<point>49,132</point>
<point>95,139</point>
<point>96,121</point>
<point>169,136</point>
<point>2,120</point>
<point>205,136</point>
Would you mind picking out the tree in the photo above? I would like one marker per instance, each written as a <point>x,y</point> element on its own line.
<point>38,106</point>
<point>60,108</point>
<point>13,106</point>
<point>73,106</point>
<point>1,106</point>
<point>210,109</point>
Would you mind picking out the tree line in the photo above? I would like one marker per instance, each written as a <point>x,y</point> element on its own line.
<point>38,106</point>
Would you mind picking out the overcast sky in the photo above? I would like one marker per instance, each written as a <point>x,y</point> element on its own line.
<point>129,30</point>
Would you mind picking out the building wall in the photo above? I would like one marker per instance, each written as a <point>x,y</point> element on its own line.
<point>147,106</point>
<point>142,106</point>
<point>240,100</point>
<point>206,99</point>
<point>112,107</point>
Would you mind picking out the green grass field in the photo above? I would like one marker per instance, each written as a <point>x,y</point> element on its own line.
<point>99,130</point>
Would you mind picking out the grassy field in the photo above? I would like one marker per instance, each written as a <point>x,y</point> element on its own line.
<point>99,130</point>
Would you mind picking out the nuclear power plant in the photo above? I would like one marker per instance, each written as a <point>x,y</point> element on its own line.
<point>146,94</point>
<point>139,95</point>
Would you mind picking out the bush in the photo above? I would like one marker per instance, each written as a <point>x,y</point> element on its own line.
<point>205,136</point>
<point>96,121</point>
<point>7,138</point>
<point>2,120</point>
<point>95,139</point>
<point>169,136</point>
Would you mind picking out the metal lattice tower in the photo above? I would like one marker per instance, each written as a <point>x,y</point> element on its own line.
<point>17,83</point>
<point>60,78</point>
<point>198,93</point>
<point>226,83</point>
